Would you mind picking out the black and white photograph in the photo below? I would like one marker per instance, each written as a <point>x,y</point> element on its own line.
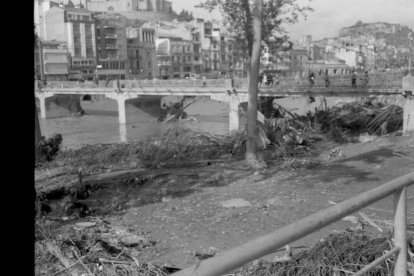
<point>223,137</point>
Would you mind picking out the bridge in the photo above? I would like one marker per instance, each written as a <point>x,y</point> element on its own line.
<point>231,91</point>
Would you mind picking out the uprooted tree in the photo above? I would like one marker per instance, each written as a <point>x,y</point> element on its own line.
<point>251,22</point>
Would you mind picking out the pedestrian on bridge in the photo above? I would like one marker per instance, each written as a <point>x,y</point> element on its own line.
<point>326,78</point>
<point>297,78</point>
<point>260,79</point>
<point>366,78</point>
<point>270,79</point>
<point>311,78</point>
<point>204,80</point>
<point>354,78</point>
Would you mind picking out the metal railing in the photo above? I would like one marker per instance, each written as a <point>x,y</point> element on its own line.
<point>336,81</point>
<point>267,244</point>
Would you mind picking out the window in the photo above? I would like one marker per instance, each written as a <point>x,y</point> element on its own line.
<point>149,64</point>
<point>69,16</point>
<point>121,65</point>
<point>88,29</point>
<point>85,17</point>
<point>91,62</point>
<point>176,69</point>
<point>137,53</point>
<point>76,28</point>
<point>89,40</point>
<point>89,52</point>
<point>78,51</point>
<point>90,71</point>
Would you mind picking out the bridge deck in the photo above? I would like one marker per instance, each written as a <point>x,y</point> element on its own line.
<point>339,86</point>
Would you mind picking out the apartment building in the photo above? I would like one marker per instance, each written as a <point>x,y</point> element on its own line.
<point>54,60</point>
<point>111,41</point>
<point>142,55</point>
<point>76,28</point>
<point>179,53</point>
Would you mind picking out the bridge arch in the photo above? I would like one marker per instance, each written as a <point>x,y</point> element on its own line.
<point>87,98</point>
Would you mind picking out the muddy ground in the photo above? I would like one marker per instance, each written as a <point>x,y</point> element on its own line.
<point>182,208</point>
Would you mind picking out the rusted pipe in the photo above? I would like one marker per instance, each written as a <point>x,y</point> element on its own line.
<point>400,231</point>
<point>264,245</point>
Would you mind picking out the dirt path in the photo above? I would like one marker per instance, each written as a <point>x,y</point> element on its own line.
<point>183,211</point>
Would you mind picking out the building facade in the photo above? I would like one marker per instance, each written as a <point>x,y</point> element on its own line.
<point>142,55</point>
<point>111,41</point>
<point>129,5</point>
<point>177,52</point>
<point>75,27</point>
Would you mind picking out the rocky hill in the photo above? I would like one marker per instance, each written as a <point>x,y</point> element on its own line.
<point>395,34</point>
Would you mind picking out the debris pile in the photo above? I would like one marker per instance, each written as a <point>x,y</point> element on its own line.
<point>342,124</point>
<point>342,253</point>
<point>93,247</point>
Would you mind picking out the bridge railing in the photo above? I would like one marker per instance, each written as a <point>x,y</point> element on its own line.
<point>267,244</point>
<point>174,83</point>
<point>381,81</point>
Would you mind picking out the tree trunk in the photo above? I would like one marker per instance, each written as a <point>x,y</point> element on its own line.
<point>38,134</point>
<point>252,130</point>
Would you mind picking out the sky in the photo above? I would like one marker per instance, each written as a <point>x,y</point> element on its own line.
<point>328,16</point>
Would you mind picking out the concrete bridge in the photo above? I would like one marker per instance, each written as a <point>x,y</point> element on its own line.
<point>67,95</point>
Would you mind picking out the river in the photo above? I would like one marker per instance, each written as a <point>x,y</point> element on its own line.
<point>100,124</point>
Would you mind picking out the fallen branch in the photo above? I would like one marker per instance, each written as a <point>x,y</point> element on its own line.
<point>403,156</point>
<point>370,221</point>
<point>54,250</point>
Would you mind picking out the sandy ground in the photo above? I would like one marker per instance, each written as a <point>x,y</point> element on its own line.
<point>183,212</point>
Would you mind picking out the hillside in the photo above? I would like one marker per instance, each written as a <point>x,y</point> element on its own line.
<point>395,34</point>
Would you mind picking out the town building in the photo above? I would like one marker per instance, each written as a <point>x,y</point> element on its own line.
<point>179,53</point>
<point>134,9</point>
<point>51,60</point>
<point>76,28</point>
<point>142,55</point>
<point>111,41</point>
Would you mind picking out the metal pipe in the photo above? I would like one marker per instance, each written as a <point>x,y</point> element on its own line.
<point>393,251</point>
<point>264,245</point>
<point>400,231</point>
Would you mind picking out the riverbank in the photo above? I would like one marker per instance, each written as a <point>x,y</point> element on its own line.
<point>219,206</point>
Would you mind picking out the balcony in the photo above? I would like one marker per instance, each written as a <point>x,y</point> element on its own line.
<point>164,63</point>
<point>113,46</point>
<point>111,35</point>
<point>56,61</point>
<point>113,57</point>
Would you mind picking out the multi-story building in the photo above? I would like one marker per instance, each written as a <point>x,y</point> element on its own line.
<point>179,53</point>
<point>111,41</point>
<point>129,5</point>
<point>54,58</point>
<point>40,7</point>
<point>75,27</point>
<point>142,55</point>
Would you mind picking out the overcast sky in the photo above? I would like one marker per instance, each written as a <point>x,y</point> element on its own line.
<point>329,15</point>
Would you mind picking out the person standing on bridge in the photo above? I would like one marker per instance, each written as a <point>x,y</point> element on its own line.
<point>260,79</point>
<point>366,78</point>
<point>327,82</point>
<point>354,78</point>
<point>204,80</point>
<point>311,78</point>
